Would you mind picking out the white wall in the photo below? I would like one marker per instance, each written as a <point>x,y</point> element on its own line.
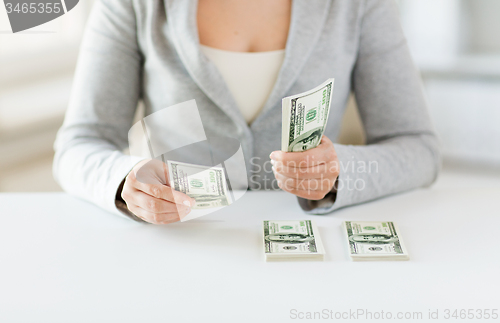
<point>456,45</point>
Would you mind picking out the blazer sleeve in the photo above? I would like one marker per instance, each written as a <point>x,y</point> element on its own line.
<point>89,162</point>
<point>402,151</point>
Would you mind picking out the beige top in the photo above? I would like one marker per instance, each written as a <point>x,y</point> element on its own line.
<point>249,76</point>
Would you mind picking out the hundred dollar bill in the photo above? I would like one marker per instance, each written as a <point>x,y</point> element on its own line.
<point>292,239</point>
<point>374,241</point>
<point>207,185</point>
<point>305,116</point>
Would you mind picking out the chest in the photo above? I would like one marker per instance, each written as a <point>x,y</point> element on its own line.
<point>243,25</point>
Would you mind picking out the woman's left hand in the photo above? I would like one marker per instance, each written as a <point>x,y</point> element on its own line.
<point>309,174</point>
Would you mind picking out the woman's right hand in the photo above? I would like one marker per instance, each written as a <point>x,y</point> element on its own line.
<point>149,196</point>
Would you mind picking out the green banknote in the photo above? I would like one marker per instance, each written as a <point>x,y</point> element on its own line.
<point>374,241</point>
<point>207,185</point>
<point>305,116</point>
<point>292,239</point>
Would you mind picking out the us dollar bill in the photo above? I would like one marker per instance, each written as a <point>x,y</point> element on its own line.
<point>292,239</point>
<point>304,117</point>
<point>206,185</point>
<point>374,241</point>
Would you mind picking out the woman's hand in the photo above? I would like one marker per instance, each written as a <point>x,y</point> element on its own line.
<point>149,196</point>
<point>310,174</point>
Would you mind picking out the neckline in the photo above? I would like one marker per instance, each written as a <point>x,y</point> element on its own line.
<point>270,52</point>
<point>303,35</point>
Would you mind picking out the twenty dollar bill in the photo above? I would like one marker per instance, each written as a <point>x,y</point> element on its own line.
<point>305,116</point>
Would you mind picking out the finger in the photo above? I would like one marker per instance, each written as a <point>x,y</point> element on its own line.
<point>307,194</point>
<point>323,184</point>
<point>317,171</point>
<point>324,153</point>
<point>325,140</point>
<point>163,192</point>
<point>155,218</point>
<point>153,204</point>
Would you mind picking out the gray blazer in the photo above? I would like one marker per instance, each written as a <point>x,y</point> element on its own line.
<point>149,50</point>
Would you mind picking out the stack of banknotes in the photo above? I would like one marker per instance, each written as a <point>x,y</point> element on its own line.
<point>292,240</point>
<point>374,241</point>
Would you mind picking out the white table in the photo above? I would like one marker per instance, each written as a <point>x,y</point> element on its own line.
<point>65,260</point>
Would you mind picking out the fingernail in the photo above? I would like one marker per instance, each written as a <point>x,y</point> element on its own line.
<point>186,203</point>
<point>274,169</point>
<point>273,162</point>
<point>273,155</point>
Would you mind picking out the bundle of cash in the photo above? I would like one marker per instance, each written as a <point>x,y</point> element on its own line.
<point>374,241</point>
<point>305,116</point>
<point>292,240</point>
<point>206,185</point>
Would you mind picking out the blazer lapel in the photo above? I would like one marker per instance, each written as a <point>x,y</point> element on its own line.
<point>306,24</point>
<point>181,17</point>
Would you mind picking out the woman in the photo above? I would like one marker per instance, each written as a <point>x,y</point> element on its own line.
<point>170,51</point>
